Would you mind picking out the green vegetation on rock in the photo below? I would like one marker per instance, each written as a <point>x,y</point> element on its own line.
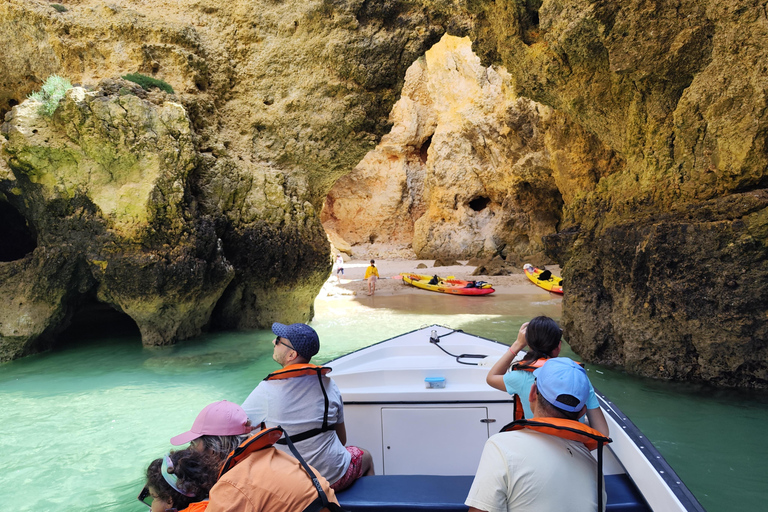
<point>147,82</point>
<point>59,7</point>
<point>52,92</point>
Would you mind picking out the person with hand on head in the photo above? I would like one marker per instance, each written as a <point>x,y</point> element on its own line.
<point>250,474</point>
<point>544,464</point>
<point>542,336</point>
<point>307,404</point>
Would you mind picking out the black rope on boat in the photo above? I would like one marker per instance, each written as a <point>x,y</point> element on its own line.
<point>435,339</point>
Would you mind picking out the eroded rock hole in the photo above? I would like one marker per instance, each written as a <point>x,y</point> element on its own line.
<point>96,320</point>
<point>479,203</point>
<point>424,149</point>
<point>530,22</point>
<point>16,238</point>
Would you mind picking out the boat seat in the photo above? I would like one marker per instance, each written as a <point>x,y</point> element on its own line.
<point>415,493</point>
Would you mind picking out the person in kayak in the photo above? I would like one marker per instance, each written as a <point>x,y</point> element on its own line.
<point>542,336</point>
<point>544,464</point>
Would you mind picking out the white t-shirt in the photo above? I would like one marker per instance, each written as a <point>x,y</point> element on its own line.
<point>527,471</point>
<point>297,405</point>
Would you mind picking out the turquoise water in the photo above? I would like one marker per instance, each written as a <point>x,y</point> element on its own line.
<point>80,425</point>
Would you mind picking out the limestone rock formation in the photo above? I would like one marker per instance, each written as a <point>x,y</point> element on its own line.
<point>666,259</point>
<point>103,183</point>
<point>279,100</point>
<point>469,168</point>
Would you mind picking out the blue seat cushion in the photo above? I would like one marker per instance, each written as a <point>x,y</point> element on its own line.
<point>414,493</point>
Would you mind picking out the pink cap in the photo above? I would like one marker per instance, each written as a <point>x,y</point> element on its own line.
<point>217,419</point>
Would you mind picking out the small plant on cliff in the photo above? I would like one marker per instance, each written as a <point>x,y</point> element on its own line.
<point>52,92</point>
<point>147,82</point>
<point>59,7</point>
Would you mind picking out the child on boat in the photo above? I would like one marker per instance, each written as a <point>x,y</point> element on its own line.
<point>180,481</point>
<point>542,336</point>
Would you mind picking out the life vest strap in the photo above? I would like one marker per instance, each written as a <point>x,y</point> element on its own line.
<point>307,434</point>
<point>263,439</point>
<point>322,500</point>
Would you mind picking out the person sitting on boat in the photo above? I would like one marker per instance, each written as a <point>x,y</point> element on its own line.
<point>542,336</point>
<point>544,464</point>
<point>308,405</point>
<point>250,474</point>
<point>180,480</point>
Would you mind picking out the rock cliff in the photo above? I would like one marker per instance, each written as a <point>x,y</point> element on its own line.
<point>470,169</point>
<point>627,139</point>
<point>666,259</point>
<point>273,102</point>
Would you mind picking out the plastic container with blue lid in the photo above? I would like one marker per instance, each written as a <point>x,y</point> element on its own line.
<point>435,382</point>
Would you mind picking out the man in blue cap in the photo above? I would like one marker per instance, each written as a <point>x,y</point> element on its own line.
<point>308,405</point>
<point>543,464</point>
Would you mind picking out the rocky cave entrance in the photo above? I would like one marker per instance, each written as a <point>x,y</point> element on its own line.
<point>17,239</point>
<point>479,204</point>
<point>94,320</point>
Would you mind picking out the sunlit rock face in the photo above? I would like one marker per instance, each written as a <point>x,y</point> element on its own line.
<point>279,99</point>
<point>469,168</point>
<point>666,260</point>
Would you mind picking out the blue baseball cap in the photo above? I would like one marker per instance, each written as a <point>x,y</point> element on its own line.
<point>303,338</point>
<point>563,383</point>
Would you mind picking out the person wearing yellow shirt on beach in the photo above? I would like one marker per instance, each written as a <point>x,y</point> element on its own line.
<point>371,275</point>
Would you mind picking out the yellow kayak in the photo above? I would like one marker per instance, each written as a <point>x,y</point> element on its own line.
<point>447,285</point>
<point>544,278</point>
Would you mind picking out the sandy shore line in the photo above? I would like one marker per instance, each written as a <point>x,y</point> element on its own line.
<point>352,283</point>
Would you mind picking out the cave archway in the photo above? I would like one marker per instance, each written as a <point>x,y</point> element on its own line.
<point>94,320</point>
<point>17,239</point>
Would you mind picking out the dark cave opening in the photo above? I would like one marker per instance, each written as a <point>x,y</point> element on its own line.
<point>16,238</point>
<point>96,320</point>
<point>479,204</point>
<point>424,149</point>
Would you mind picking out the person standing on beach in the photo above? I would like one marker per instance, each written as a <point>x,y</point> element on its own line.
<point>339,267</point>
<point>371,275</point>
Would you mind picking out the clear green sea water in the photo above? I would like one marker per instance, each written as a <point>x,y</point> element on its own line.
<point>79,425</point>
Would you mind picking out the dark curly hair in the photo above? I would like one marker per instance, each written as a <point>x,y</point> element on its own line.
<point>543,337</point>
<point>196,473</point>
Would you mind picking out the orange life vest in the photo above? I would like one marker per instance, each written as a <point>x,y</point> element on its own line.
<point>302,370</point>
<point>573,431</point>
<point>199,506</point>
<point>264,439</point>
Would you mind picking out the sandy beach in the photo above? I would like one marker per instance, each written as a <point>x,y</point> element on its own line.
<point>353,285</point>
